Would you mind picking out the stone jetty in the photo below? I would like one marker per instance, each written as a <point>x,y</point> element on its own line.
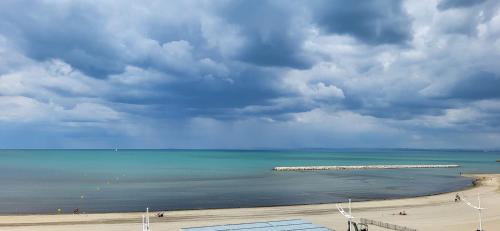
<point>357,167</point>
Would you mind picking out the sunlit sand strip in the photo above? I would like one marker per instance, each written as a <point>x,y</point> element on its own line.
<point>317,168</point>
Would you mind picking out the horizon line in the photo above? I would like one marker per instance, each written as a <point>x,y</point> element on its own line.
<point>271,149</point>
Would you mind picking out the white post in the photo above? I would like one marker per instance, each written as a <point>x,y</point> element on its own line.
<point>145,221</point>
<point>480,220</point>
<point>350,207</point>
<point>143,225</point>
<point>147,218</point>
<point>350,214</point>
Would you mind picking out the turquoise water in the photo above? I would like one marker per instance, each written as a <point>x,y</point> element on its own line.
<point>41,181</point>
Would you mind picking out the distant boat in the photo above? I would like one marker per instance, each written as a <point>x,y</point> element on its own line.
<point>116,149</point>
<point>498,160</point>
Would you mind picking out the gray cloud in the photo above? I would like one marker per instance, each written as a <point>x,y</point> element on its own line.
<point>449,4</point>
<point>477,86</point>
<point>274,38</point>
<point>241,74</point>
<point>75,33</point>
<point>373,22</point>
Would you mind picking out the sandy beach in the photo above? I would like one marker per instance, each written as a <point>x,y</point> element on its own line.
<point>429,213</point>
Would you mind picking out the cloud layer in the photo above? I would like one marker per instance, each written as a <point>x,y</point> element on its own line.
<point>236,74</point>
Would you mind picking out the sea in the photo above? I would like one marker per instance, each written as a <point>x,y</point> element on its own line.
<point>95,181</point>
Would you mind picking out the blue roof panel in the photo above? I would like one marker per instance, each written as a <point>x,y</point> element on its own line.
<point>282,225</point>
<point>287,222</point>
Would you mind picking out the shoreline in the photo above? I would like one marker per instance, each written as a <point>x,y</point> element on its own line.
<point>453,216</point>
<point>472,177</point>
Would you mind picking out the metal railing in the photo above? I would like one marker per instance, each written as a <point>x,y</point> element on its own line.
<point>385,225</point>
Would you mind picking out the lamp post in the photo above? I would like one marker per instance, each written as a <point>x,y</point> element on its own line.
<point>346,215</point>
<point>478,208</point>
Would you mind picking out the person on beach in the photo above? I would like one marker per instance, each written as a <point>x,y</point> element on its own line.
<point>161,214</point>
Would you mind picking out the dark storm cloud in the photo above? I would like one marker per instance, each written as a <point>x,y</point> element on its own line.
<point>88,38</point>
<point>398,108</point>
<point>211,97</point>
<point>74,33</point>
<point>477,86</point>
<point>449,4</point>
<point>373,22</point>
<point>273,33</point>
<point>79,33</point>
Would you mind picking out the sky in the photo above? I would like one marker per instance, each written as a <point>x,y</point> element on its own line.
<point>250,74</point>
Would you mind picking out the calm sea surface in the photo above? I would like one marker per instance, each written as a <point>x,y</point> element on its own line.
<point>41,181</point>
